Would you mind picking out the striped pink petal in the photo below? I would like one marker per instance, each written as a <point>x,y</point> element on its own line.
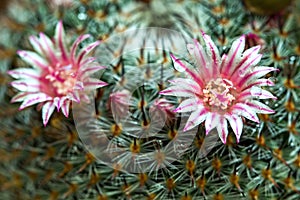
<point>244,110</point>
<point>21,96</point>
<point>93,83</point>
<point>222,129</point>
<point>35,43</point>
<point>188,105</point>
<point>47,111</point>
<point>259,107</point>
<point>24,73</point>
<point>248,54</point>
<point>33,59</point>
<point>48,48</point>
<point>65,108</point>
<point>196,118</point>
<point>197,51</point>
<point>187,70</point>
<point>211,121</point>
<point>236,124</point>
<point>34,99</point>
<point>26,86</point>
<point>234,55</point>
<point>213,54</point>
<point>59,40</point>
<point>76,43</point>
<point>86,51</point>
<point>257,73</point>
<point>91,70</point>
<point>179,91</point>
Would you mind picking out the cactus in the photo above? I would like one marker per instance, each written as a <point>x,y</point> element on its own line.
<point>126,141</point>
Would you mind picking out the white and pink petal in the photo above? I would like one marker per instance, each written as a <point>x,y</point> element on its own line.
<point>189,105</point>
<point>212,120</point>
<point>181,67</point>
<point>85,51</point>
<point>66,107</point>
<point>234,56</point>
<point>259,107</point>
<point>196,118</point>
<point>179,91</point>
<point>47,111</point>
<point>222,129</point>
<point>31,85</point>
<point>33,59</point>
<point>24,73</point>
<point>244,110</point>
<point>212,54</point>
<point>21,96</point>
<point>32,99</point>
<point>93,83</point>
<point>236,124</point>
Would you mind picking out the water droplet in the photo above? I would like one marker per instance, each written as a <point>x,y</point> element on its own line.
<point>242,72</point>
<point>292,58</point>
<point>256,91</point>
<point>82,16</point>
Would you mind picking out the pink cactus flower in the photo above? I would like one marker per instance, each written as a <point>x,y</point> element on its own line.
<point>222,90</point>
<point>57,76</point>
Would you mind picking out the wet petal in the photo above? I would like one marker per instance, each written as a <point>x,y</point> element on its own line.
<point>187,70</point>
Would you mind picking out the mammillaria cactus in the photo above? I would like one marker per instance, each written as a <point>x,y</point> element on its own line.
<point>169,67</point>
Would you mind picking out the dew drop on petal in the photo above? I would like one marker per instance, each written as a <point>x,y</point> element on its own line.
<point>178,67</point>
<point>256,91</point>
<point>242,72</point>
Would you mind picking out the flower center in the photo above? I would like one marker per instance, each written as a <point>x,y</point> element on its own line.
<point>63,80</point>
<point>217,93</point>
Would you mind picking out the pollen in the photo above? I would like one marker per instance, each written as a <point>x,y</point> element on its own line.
<point>218,94</point>
<point>63,81</point>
